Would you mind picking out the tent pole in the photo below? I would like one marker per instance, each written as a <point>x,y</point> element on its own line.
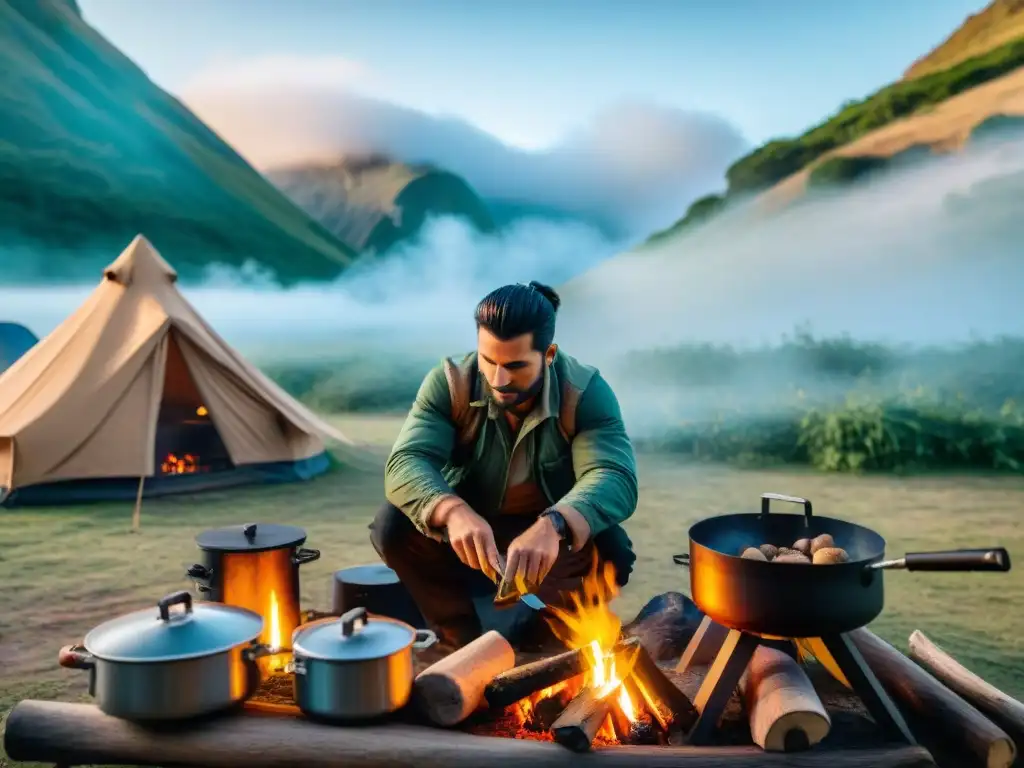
<point>137,513</point>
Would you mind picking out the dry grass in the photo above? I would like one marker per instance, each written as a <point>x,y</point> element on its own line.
<point>945,127</point>
<point>66,570</point>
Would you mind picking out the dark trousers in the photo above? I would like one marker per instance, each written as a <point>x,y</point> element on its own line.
<point>444,588</point>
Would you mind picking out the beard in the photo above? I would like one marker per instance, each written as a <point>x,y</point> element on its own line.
<point>522,395</point>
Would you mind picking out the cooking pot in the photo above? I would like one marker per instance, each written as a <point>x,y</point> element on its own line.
<point>794,600</point>
<point>355,667</point>
<point>376,588</point>
<point>254,566</point>
<point>159,664</point>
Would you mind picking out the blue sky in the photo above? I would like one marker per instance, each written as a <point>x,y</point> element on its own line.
<point>529,71</point>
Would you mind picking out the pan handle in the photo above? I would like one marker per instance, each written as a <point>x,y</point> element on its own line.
<point>997,559</point>
<point>767,498</point>
<point>683,559</point>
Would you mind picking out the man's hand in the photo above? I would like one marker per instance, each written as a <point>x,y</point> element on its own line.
<point>532,554</point>
<point>472,539</point>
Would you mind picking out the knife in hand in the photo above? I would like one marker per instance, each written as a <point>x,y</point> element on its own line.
<point>508,594</point>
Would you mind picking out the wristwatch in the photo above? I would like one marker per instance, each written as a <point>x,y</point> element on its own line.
<point>561,526</point>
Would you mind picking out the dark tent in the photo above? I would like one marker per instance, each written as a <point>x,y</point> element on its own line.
<point>15,341</point>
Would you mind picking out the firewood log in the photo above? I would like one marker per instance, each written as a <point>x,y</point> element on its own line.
<point>450,690</point>
<point>80,734</point>
<point>519,682</point>
<point>1004,710</point>
<point>579,723</point>
<point>784,711</point>
<point>656,685</point>
<point>928,700</point>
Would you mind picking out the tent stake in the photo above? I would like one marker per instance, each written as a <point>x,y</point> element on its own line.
<point>137,513</point>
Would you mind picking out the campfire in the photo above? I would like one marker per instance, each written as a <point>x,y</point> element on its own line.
<point>604,698</point>
<point>186,464</point>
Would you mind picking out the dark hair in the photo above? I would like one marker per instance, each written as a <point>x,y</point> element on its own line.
<point>513,310</point>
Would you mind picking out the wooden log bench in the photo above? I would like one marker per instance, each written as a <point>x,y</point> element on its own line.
<point>79,734</point>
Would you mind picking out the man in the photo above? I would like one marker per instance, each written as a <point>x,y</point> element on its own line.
<point>518,449</point>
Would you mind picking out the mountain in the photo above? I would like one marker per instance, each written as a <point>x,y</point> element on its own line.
<point>938,111</point>
<point>93,153</point>
<point>999,23</point>
<point>373,203</point>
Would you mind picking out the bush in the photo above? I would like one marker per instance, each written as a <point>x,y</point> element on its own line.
<point>859,436</point>
<point>837,405</point>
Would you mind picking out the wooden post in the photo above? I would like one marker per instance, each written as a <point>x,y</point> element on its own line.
<point>1004,710</point>
<point>137,512</point>
<point>946,713</point>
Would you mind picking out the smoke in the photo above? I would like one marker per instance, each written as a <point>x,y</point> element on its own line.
<point>633,165</point>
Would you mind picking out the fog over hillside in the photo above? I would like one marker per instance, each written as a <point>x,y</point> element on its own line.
<point>901,260</point>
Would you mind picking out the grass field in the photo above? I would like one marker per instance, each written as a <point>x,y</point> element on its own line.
<point>66,570</point>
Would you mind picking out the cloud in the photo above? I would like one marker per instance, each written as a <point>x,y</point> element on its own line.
<point>635,165</point>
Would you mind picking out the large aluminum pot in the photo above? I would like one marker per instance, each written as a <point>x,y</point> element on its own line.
<point>159,664</point>
<point>356,666</point>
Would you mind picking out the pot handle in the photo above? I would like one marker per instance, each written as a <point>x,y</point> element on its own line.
<point>767,498</point>
<point>249,531</point>
<point>683,559</point>
<point>997,559</point>
<point>184,597</point>
<point>75,657</point>
<point>258,651</point>
<point>350,619</point>
<point>303,556</point>
<point>424,639</point>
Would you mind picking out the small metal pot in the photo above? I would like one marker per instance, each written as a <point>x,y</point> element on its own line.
<point>355,667</point>
<point>171,665</point>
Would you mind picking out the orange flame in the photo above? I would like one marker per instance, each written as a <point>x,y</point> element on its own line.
<point>180,465</point>
<point>274,616</point>
<point>590,623</point>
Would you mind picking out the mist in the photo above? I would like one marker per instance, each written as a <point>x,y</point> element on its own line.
<point>900,260</point>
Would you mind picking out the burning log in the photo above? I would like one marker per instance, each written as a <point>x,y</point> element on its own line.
<point>450,690</point>
<point>519,682</point>
<point>579,723</point>
<point>1004,710</point>
<point>656,690</point>
<point>785,713</point>
<point>932,703</point>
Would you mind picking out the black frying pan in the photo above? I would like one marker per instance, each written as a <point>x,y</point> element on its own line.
<point>797,600</point>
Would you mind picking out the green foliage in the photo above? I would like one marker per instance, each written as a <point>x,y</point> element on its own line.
<point>842,170</point>
<point>700,210</point>
<point>778,159</point>
<point>92,153</point>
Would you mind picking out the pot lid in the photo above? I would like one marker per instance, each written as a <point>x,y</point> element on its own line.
<point>251,537</point>
<point>162,633</point>
<point>353,637</point>
<point>367,575</point>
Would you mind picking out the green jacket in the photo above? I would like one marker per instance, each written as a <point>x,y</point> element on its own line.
<point>595,472</point>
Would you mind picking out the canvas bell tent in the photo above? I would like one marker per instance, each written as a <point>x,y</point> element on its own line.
<point>15,341</point>
<point>134,389</point>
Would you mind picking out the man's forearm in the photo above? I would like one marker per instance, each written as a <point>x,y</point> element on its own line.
<point>600,499</point>
<point>418,489</point>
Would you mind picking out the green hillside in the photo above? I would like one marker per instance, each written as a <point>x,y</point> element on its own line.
<point>93,153</point>
<point>778,159</point>
<point>373,203</point>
